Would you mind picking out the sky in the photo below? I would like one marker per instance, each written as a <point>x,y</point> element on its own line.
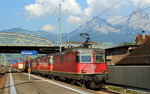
<point>44,14</point>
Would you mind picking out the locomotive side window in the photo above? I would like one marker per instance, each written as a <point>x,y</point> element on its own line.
<point>67,57</point>
<point>51,60</point>
<point>56,59</point>
<point>78,57</point>
<point>61,59</point>
<point>86,57</point>
<point>73,56</point>
<point>99,57</point>
<point>64,58</point>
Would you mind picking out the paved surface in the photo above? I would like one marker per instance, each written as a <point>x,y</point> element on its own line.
<point>7,86</point>
<point>39,85</point>
<point>12,85</point>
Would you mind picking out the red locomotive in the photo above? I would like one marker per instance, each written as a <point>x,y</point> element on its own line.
<point>83,66</point>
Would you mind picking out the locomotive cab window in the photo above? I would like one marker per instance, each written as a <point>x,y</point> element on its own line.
<point>86,57</point>
<point>99,57</point>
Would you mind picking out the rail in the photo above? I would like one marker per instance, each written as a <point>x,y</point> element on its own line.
<point>3,71</point>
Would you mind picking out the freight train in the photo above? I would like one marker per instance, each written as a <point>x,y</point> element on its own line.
<point>20,66</point>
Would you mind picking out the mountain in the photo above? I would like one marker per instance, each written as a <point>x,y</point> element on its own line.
<point>42,34</point>
<point>106,32</point>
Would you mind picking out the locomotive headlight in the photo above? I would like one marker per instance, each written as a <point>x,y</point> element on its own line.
<point>103,71</point>
<point>84,71</point>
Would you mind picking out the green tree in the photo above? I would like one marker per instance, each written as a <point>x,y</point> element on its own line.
<point>125,43</point>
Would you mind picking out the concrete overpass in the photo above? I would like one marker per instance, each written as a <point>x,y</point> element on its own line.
<point>40,49</point>
<point>15,43</point>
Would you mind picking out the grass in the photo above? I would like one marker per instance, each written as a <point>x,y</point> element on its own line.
<point>123,90</point>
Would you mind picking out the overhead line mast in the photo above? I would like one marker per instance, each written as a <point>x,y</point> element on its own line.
<point>60,37</point>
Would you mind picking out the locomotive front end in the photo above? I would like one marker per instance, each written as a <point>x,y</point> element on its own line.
<point>91,64</point>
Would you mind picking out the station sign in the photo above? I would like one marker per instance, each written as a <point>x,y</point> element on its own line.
<point>29,53</point>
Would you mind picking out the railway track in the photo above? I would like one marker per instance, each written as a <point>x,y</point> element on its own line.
<point>3,70</point>
<point>101,91</point>
<point>3,77</point>
<point>108,89</point>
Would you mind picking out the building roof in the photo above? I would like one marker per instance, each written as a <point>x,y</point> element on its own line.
<point>141,40</point>
<point>140,56</point>
<point>120,49</point>
<point>124,46</point>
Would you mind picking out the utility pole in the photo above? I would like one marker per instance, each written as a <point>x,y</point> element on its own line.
<point>68,39</point>
<point>60,37</point>
<point>29,68</point>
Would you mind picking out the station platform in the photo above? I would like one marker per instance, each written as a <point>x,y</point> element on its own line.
<point>18,83</point>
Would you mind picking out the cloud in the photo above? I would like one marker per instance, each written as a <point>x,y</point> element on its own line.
<point>73,19</point>
<point>40,8</point>
<point>141,3</point>
<point>48,28</point>
<point>75,13</point>
<point>72,7</point>
<point>47,7</point>
<point>97,6</point>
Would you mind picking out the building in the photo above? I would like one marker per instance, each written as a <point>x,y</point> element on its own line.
<point>140,56</point>
<point>141,38</point>
<point>115,54</point>
<point>133,70</point>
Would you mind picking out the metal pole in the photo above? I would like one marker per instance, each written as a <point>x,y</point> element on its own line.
<point>29,68</point>
<point>38,38</point>
<point>68,39</point>
<point>60,37</point>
